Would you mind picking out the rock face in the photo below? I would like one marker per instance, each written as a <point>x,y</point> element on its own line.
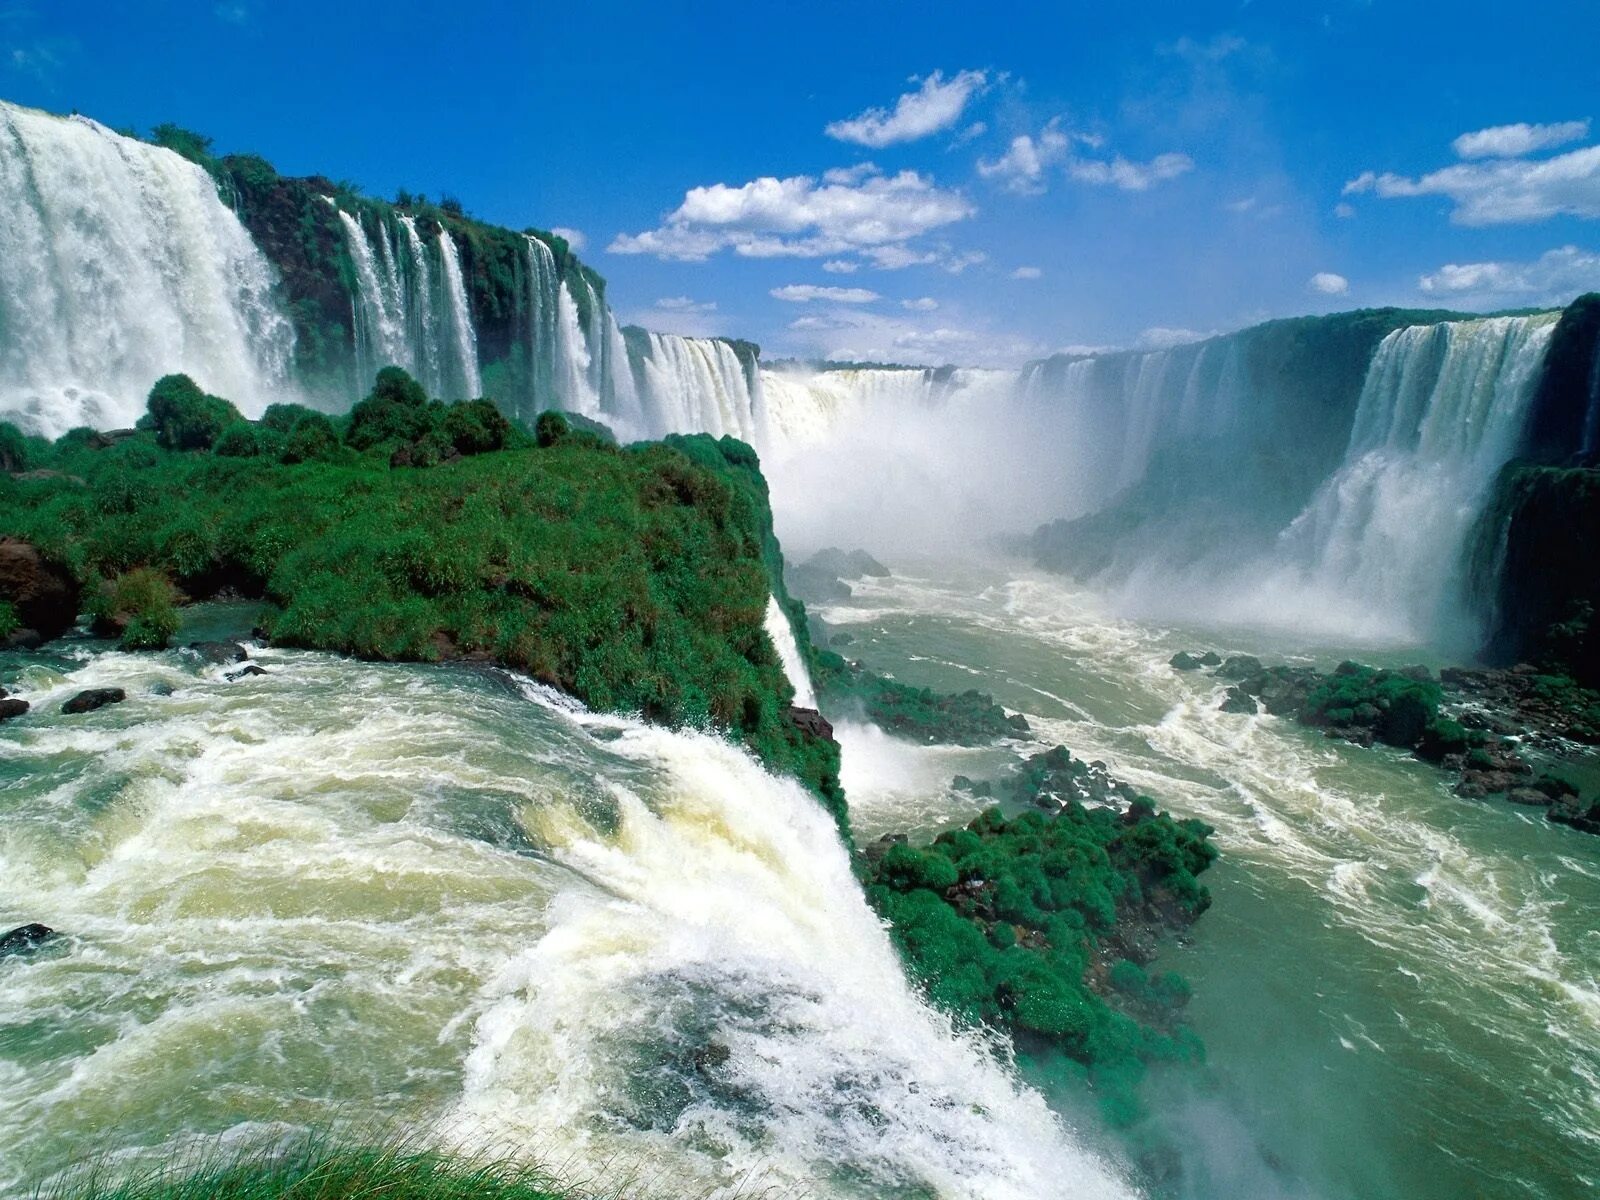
<point>809,720</point>
<point>25,938</point>
<point>93,698</point>
<point>1239,701</point>
<point>44,595</point>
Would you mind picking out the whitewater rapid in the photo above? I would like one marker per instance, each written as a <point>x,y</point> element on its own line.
<point>467,905</point>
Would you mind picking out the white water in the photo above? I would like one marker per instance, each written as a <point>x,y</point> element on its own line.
<point>340,887</point>
<point>1378,552</point>
<point>464,341</point>
<point>120,264</point>
<point>698,385</point>
<point>794,666</point>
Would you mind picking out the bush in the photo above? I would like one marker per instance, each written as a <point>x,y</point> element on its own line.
<point>13,448</point>
<point>138,607</point>
<point>551,429</point>
<point>184,417</point>
<point>476,427</point>
<point>396,410</point>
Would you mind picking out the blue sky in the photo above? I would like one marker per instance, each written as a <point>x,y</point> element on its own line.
<point>976,183</point>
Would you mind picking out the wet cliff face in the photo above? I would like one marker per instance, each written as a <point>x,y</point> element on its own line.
<point>1564,419</point>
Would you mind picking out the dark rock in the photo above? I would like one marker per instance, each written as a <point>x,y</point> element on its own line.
<point>1238,700</point>
<point>44,595</point>
<point>12,707</point>
<point>1184,661</point>
<point>1418,673</point>
<point>93,698</point>
<point>246,671</point>
<point>220,652</point>
<point>809,720</point>
<point>841,639</point>
<point>1572,811</point>
<point>26,938</point>
<point>1239,666</point>
<point>1210,659</point>
<point>1532,797</point>
<point>846,564</point>
<point>22,639</point>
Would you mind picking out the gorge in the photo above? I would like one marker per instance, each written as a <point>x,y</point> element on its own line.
<point>629,930</point>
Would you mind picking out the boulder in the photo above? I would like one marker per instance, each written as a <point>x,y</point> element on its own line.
<point>12,707</point>
<point>1532,797</point>
<point>25,938</point>
<point>1210,659</point>
<point>846,564</point>
<point>44,595</point>
<point>1237,700</point>
<point>809,720</point>
<point>220,652</point>
<point>246,671</point>
<point>1240,666</point>
<point>1184,661</point>
<point>93,698</point>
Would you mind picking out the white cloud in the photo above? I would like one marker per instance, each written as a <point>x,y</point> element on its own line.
<point>685,305</point>
<point>1160,337</point>
<point>1026,273</point>
<point>1344,211</point>
<point>803,293</point>
<point>1329,284</point>
<point>916,338</point>
<point>870,214</point>
<point>935,106</point>
<point>1023,167</point>
<point>233,13</point>
<point>1501,191</point>
<point>841,266</point>
<point>1131,176</point>
<point>1554,277</point>
<point>573,238</point>
<point>1515,141</point>
<point>1241,206</point>
<point>921,304</point>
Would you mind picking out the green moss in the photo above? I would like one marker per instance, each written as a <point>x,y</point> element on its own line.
<point>1397,706</point>
<point>138,607</point>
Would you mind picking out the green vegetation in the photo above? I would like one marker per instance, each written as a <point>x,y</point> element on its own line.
<point>1034,924</point>
<point>318,1170</point>
<point>1396,705</point>
<point>635,579</point>
<point>970,718</point>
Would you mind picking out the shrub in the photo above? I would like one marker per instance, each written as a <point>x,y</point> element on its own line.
<point>13,448</point>
<point>186,418</point>
<point>476,427</point>
<point>139,607</point>
<point>395,410</point>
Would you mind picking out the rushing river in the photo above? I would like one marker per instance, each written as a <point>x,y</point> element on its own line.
<point>436,898</point>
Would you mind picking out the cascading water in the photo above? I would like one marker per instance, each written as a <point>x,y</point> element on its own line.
<point>573,380</point>
<point>1379,549</point>
<point>120,264</point>
<point>463,341</point>
<point>698,385</point>
<point>382,323</point>
<point>421,325</point>
<point>794,666</point>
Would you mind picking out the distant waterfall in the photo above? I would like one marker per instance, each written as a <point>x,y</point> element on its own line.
<point>119,264</point>
<point>411,309</point>
<point>1441,412</point>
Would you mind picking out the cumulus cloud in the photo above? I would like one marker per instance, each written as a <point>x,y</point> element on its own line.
<point>1160,337</point>
<point>920,304</point>
<point>841,266</point>
<point>573,237</point>
<point>1025,165</point>
<point>1515,141</point>
<point>1554,277</point>
<point>1344,210</point>
<point>935,106</point>
<point>804,293</point>
<point>684,304</point>
<point>1496,191</point>
<point>1026,273</point>
<point>1329,284</point>
<point>867,213</point>
<point>915,338</point>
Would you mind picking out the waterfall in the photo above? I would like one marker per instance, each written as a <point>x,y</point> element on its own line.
<point>1379,548</point>
<point>463,340</point>
<point>429,367</point>
<point>120,264</point>
<point>794,666</point>
<point>572,359</point>
<point>626,406</point>
<point>382,323</point>
<point>542,306</point>
<point>697,385</point>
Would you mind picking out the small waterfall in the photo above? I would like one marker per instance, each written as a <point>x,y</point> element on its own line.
<point>120,264</point>
<point>794,667</point>
<point>544,325</point>
<point>463,340</point>
<point>420,327</point>
<point>626,405</point>
<point>1441,412</point>
<point>573,361</point>
<point>382,324</point>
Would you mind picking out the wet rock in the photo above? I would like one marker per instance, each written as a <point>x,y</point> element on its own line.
<point>841,639</point>
<point>246,671</point>
<point>1184,661</point>
<point>1239,666</point>
<point>1237,700</point>
<point>809,720</point>
<point>26,938</point>
<point>12,707</point>
<point>220,652</point>
<point>93,698</point>
<point>846,564</point>
<point>44,595</point>
<point>1210,659</point>
<point>1532,797</point>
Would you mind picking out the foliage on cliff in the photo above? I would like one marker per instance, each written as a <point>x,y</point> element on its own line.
<point>1042,926</point>
<point>969,718</point>
<point>635,579</point>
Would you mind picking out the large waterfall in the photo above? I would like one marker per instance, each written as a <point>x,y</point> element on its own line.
<point>119,264</point>
<point>699,385</point>
<point>1380,547</point>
